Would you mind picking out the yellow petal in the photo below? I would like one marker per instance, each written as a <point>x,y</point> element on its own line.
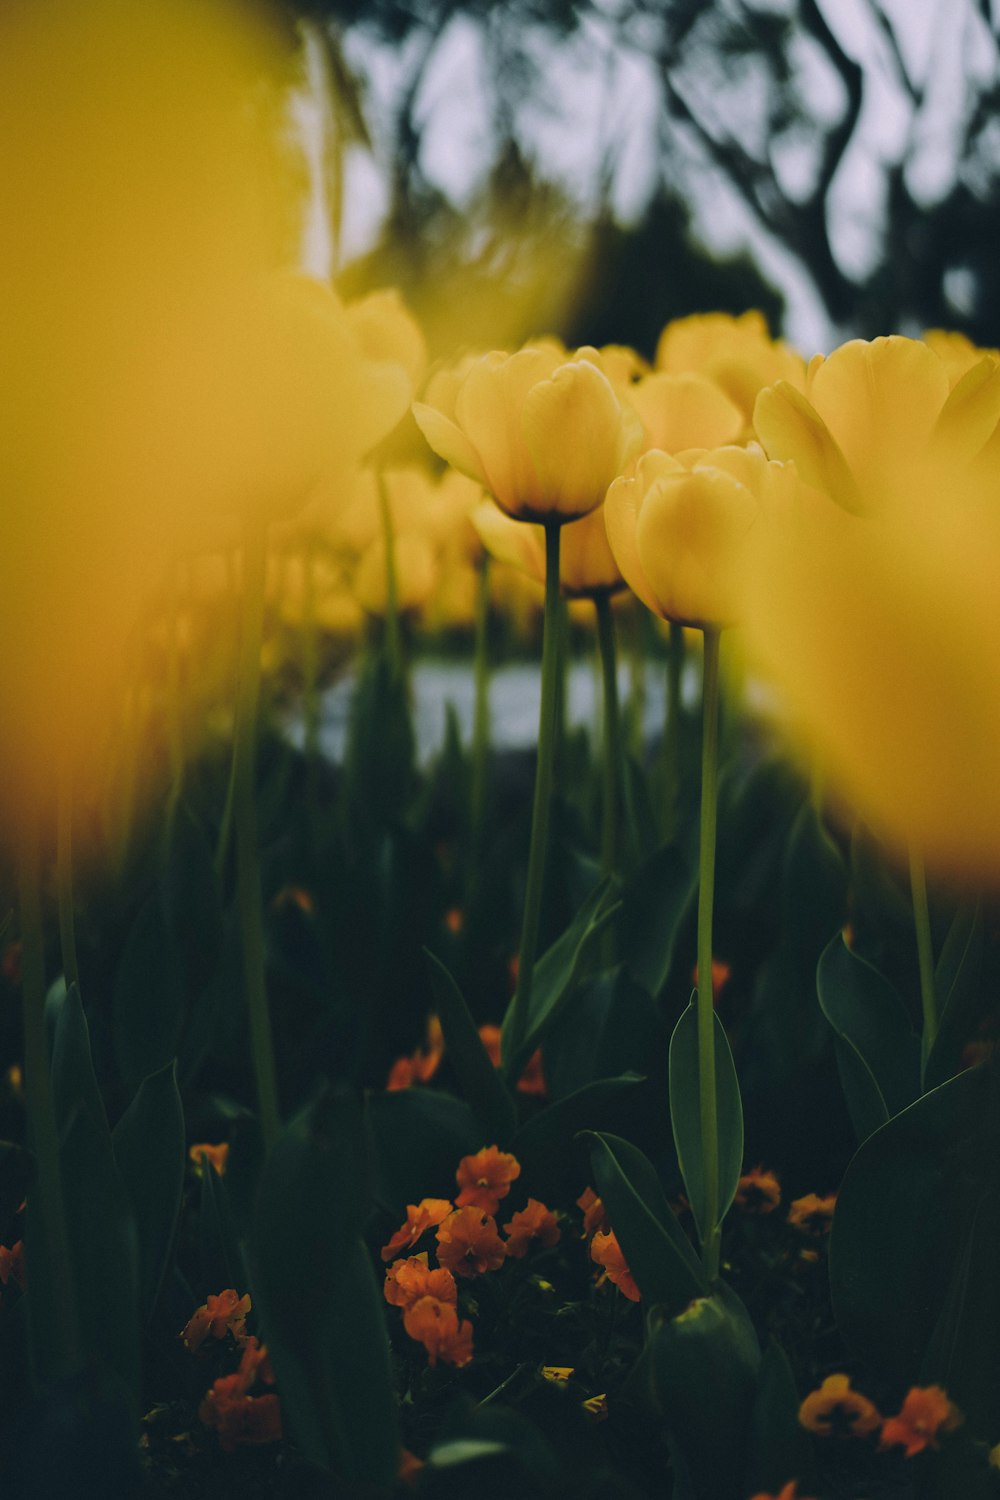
<point>573,430</point>
<point>790,429</point>
<point>691,534</point>
<point>510,541</point>
<point>489,408</point>
<point>685,411</point>
<point>449,441</point>
<point>587,565</point>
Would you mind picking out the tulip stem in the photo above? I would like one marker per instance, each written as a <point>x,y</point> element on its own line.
<point>248,887</point>
<point>548,719</point>
<point>706,1007</point>
<point>393,645</point>
<point>64,875</point>
<point>612,750</point>
<point>481,712</point>
<point>53,1322</point>
<point>925,950</point>
<point>672,729</point>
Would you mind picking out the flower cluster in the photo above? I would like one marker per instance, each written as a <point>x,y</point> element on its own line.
<point>835,1409</point>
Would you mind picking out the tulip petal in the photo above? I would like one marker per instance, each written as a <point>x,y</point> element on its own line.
<point>572,425</point>
<point>449,441</point>
<point>685,411</point>
<point>791,430</point>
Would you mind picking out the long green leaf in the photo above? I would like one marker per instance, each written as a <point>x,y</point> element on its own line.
<point>862,1006</point>
<point>685,1116</point>
<point>148,1144</point>
<point>482,1083</point>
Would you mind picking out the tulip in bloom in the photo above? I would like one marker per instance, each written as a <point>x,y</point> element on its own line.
<point>543,431</point>
<point>587,566</point>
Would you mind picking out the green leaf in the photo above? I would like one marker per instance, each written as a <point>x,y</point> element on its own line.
<point>555,974</point>
<point>612,1027</point>
<point>658,1253</point>
<point>903,1215</point>
<point>191,897</point>
<point>957,987</point>
<point>482,1083</point>
<point>317,1295</point>
<point>419,1136</point>
<point>149,997</point>
<point>704,1364</point>
<point>219,1251</point>
<point>17,1168</point>
<point>640,815</point>
<point>863,1008</point>
<point>778,1448</point>
<point>148,1144</point>
<point>542,1145</point>
<point>104,1249</point>
<point>961,1353</point>
<point>862,1095</point>
<point>654,901</point>
<point>73,1080</point>
<point>685,1116</point>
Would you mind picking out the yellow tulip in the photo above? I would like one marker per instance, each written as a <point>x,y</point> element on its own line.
<point>543,433</point>
<point>881,634</point>
<point>736,353</point>
<point>880,426</point>
<point>587,567</point>
<point>679,529</point>
<point>685,411</point>
<point>416,574</point>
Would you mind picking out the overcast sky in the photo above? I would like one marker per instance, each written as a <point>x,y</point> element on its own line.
<point>597,97</point>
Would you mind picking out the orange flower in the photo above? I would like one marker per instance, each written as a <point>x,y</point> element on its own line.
<point>238,1417</point>
<point>595,1215</point>
<point>419,1218</point>
<point>811,1214</point>
<point>217,1155</point>
<point>758,1192</point>
<point>453,919</point>
<point>409,1466</point>
<point>838,1411</point>
<point>226,1313</point>
<point>485,1178</point>
<point>607,1252</point>
<point>925,1412</point>
<point>435,1324</point>
<point>789,1491</point>
<point>721,974</point>
<point>468,1243</point>
<point>422,1064</point>
<point>408,1280</point>
<point>536,1222</point>
<point>531,1080</point>
<point>12,1264</point>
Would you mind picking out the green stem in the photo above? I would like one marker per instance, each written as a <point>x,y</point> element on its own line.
<point>706,1007</point>
<point>925,950</point>
<point>64,875</point>
<point>612,749</point>
<point>310,669</point>
<point>547,737</point>
<point>672,729</point>
<point>248,889</point>
<point>481,711</point>
<point>393,643</point>
<point>53,1322</point>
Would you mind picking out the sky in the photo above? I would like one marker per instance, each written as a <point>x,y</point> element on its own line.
<point>597,97</point>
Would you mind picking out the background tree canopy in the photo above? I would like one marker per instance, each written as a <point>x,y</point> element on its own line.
<point>857,145</point>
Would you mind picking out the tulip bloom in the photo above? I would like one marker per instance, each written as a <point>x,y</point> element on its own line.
<point>544,432</point>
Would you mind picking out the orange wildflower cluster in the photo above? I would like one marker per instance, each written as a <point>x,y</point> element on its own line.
<point>607,1252</point>
<point>420,1217</point>
<point>436,1325</point>
<point>535,1222</point>
<point>812,1214</point>
<point>758,1191</point>
<point>422,1064</point>
<point>217,1155</point>
<point>925,1412</point>
<point>485,1177</point>
<point>406,1281</point>
<point>238,1417</point>
<point>595,1215</point>
<point>226,1313</point>
<point>468,1242</point>
<point>835,1408</point>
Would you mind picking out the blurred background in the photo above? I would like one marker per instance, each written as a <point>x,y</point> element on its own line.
<point>835,164</point>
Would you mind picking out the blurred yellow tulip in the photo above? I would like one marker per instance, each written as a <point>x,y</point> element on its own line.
<point>545,434</point>
<point>587,567</point>
<point>679,529</point>
<point>736,353</point>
